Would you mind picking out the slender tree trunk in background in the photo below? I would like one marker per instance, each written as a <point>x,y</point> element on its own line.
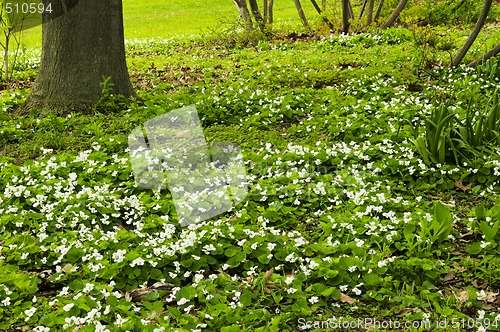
<point>244,13</point>
<point>254,7</point>
<point>79,48</point>
<point>270,11</point>
<point>301,13</point>
<point>477,28</point>
<point>326,20</point>
<point>351,12</point>
<point>265,5</point>
<point>323,5</point>
<point>493,52</point>
<point>8,34</point>
<point>345,16</point>
<point>379,9</point>
<point>369,14</point>
<point>362,10</point>
<point>457,7</point>
<point>395,14</point>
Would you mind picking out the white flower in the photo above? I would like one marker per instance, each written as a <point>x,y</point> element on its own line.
<point>41,329</point>
<point>484,244</point>
<point>314,299</point>
<point>120,320</point>
<point>88,287</point>
<point>29,312</point>
<point>100,328</point>
<point>6,301</point>
<point>68,307</point>
<point>119,255</point>
<point>138,261</point>
<point>64,291</point>
<point>291,258</point>
<point>182,301</point>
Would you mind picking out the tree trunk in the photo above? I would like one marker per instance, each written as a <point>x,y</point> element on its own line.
<point>265,5</point>
<point>79,48</point>
<point>351,11</point>
<point>256,14</point>
<point>301,13</point>
<point>477,28</point>
<point>379,9</point>
<point>244,13</point>
<point>362,9</point>
<point>345,16</point>
<point>493,52</point>
<point>326,20</point>
<point>369,14</point>
<point>8,34</point>
<point>270,9</point>
<point>457,7</point>
<point>323,5</point>
<point>395,14</point>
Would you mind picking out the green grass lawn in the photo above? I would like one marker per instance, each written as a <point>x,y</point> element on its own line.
<point>165,19</point>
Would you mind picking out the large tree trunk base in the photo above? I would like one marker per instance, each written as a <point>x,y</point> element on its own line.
<point>80,49</point>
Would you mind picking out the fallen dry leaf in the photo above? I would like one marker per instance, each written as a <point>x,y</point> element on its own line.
<point>463,296</point>
<point>490,297</point>
<point>138,295</point>
<point>460,185</point>
<point>346,298</point>
<point>450,276</point>
<point>477,286</point>
<point>269,273</point>
<point>67,267</point>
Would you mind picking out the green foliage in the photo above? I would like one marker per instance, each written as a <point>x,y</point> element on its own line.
<point>490,68</point>
<point>447,138</point>
<point>343,219</point>
<point>436,145</point>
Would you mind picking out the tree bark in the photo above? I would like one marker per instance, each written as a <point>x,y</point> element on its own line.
<point>265,6</point>
<point>351,11</point>
<point>345,16</point>
<point>256,14</point>
<point>493,52</point>
<point>270,9</point>
<point>477,28</point>
<point>302,16</point>
<point>379,9</point>
<point>8,34</point>
<point>363,7</point>
<point>79,48</point>
<point>395,14</point>
<point>369,14</point>
<point>244,13</point>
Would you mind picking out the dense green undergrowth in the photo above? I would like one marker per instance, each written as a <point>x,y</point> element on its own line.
<point>345,220</point>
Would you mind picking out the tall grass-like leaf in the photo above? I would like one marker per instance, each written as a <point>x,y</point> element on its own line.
<point>446,138</point>
<point>437,132</point>
<point>441,227</point>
